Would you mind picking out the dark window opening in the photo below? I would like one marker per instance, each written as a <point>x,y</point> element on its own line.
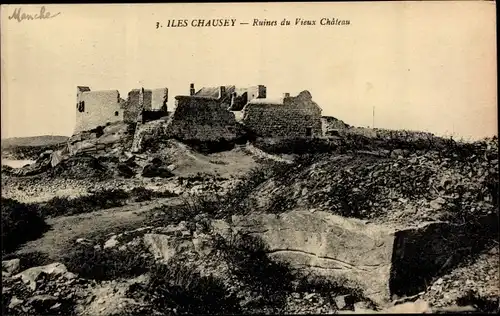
<point>308,131</point>
<point>81,106</point>
<point>116,113</point>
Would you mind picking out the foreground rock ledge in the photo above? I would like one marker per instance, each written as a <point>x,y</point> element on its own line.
<point>379,260</point>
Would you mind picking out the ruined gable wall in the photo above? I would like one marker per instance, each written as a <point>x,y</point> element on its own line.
<point>201,119</point>
<point>256,92</point>
<point>100,107</point>
<point>290,119</point>
<point>158,97</point>
<point>132,106</point>
<point>147,100</point>
<point>253,92</point>
<point>136,102</point>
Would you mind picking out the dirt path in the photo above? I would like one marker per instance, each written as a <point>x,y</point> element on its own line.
<point>66,229</point>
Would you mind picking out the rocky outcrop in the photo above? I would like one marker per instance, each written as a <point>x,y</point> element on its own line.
<point>149,130</point>
<point>31,275</point>
<point>81,166</point>
<point>336,247</point>
<point>379,260</point>
<point>11,266</point>
<point>53,290</point>
<point>156,169</point>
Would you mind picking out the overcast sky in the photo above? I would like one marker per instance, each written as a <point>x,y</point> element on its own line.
<point>425,66</point>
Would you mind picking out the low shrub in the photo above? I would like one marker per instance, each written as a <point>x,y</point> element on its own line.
<point>141,194</point>
<point>297,146</point>
<point>482,304</point>
<point>209,146</point>
<point>109,264</point>
<point>275,280</point>
<point>64,206</point>
<point>20,223</point>
<point>29,259</point>
<point>191,206</point>
<point>59,206</point>
<point>248,260</point>
<point>180,287</point>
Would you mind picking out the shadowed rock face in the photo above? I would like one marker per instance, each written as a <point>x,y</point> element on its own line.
<point>421,254</point>
<point>377,259</point>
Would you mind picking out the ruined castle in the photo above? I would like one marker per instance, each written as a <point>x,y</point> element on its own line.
<point>98,108</point>
<point>210,113</point>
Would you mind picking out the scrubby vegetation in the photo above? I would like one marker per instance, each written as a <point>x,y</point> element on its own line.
<point>20,223</point>
<point>297,146</point>
<point>109,264</point>
<point>457,180</point>
<point>30,259</point>
<point>64,206</point>
<point>59,206</point>
<point>179,287</point>
<point>140,194</point>
<point>274,281</point>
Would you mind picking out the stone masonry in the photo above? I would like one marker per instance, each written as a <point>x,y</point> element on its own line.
<point>290,116</point>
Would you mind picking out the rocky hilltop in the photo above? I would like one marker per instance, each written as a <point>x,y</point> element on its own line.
<point>353,223</point>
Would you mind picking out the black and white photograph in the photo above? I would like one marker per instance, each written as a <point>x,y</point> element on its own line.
<point>273,158</point>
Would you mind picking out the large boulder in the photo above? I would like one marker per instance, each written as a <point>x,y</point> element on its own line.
<point>379,260</point>
<point>11,266</point>
<point>338,248</point>
<point>31,275</point>
<point>156,169</point>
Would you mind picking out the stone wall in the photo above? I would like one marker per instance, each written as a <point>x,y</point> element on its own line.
<point>159,98</point>
<point>293,117</point>
<point>331,124</point>
<point>97,108</point>
<point>253,92</point>
<point>244,95</point>
<point>147,99</point>
<point>148,116</point>
<point>138,100</point>
<point>133,106</point>
<point>201,119</point>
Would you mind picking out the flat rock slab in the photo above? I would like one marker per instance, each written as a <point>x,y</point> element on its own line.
<point>379,260</point>
<point>346,250</point>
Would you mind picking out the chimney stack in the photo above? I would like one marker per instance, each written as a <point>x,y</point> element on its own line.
<point>222,91</point>
<point>286,95</point>
<point>165,94</point>
<point>191,89</point>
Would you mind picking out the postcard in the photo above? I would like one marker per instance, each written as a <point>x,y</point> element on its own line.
<point>241,158</point>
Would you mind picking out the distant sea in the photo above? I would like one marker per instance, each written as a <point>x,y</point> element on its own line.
<point>16,163</point>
